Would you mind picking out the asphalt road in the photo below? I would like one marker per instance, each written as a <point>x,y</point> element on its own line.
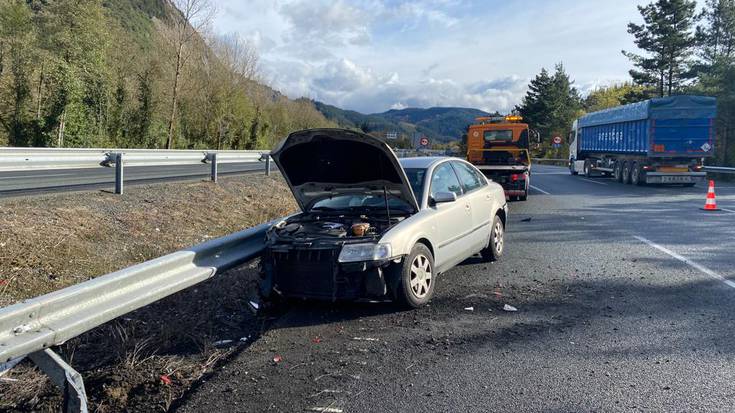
<point>624,303</point>
<point>27,182</point>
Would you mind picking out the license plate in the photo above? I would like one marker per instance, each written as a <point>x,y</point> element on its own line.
<point>676,179</point>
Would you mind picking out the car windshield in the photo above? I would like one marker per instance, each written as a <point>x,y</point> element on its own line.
<point>361,203</point>
<point>416,177</point>
<point>498,135</point>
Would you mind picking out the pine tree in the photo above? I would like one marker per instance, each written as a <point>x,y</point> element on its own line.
<point>667,37</point>
<point>716,69</point>
<point>551,103</point>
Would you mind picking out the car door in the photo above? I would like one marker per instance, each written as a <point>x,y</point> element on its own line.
<point>452,220</point>
<point>474,186</point>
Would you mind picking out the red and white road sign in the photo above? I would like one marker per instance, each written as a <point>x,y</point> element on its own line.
<point>424,141</point>
<point>557,140</point>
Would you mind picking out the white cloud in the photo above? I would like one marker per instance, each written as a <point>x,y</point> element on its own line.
<point>372,55</point>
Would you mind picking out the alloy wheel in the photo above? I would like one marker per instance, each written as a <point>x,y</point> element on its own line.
<point>420,276</point>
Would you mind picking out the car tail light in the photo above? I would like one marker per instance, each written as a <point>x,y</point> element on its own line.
<point>697,168</point>
<point>647,168</point>
<point>514,177</point>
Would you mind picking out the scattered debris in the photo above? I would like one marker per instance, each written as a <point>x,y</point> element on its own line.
<point>327,391</point>
<point>222,343</point>
<point>316,340</point>
<point>527,219</point>
<point>165,379</point>
<point>254,306</point>
<point>277,359</point>
<point>244,339</point>
<point>365,339</point>
<point>3,282</point>
<point>469,309</point>
<point>509,308</point>
<point>324,409</point>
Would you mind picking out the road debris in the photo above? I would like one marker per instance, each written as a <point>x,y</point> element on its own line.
<point>365,339</point>
<point>527,219</point>
<point>316,340</point>
<point>509,308</point>
<point>222,343</point>
<point>277,359</point>
<point>165,379</point>
<point>469,309</point>
<point>324,409</point>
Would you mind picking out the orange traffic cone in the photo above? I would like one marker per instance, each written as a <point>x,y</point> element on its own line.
<point>711,203</point>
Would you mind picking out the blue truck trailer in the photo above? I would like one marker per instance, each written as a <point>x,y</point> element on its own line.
<point>657,141</point>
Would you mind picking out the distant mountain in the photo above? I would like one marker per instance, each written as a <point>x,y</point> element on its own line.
<point>438,124</point>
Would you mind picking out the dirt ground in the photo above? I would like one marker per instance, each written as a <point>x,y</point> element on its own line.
<point>148,359</point>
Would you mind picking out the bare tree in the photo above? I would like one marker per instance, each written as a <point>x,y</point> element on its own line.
<point>186,28</point>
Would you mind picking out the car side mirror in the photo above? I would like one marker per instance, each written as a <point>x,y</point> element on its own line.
<point>443,197</point>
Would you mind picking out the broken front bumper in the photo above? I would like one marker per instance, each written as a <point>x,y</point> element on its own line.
<point>314,273</point>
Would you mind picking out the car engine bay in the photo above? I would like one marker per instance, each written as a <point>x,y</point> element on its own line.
<point>311,226</point>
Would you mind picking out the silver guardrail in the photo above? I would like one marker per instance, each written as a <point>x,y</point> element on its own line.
<point>30,328</point>
<point>24,159</point>
<point>719,169</point>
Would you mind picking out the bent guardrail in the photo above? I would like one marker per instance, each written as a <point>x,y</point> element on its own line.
<point>24,159</point>
<point>31,327</point>
<point>719,169</point>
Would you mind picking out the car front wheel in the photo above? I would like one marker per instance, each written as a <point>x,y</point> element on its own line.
<point>417,278</point>
<point>495,248</point>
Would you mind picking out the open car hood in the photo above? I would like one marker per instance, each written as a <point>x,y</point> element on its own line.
<point>322,163</point>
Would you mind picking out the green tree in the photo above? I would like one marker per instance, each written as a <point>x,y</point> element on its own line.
<point>716,69</point>
<point>17,38</point>
<point>615,95</point>
<point>551,103</point>
<point>667,36</point>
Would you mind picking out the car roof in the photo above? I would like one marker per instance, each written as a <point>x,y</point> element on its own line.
<point>421,162</point>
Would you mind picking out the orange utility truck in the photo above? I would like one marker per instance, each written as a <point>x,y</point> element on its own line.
<point>498,146</point>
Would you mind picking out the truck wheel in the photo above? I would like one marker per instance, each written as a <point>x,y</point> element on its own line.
<point>626,173</point>
<point>417,278</point>
<point>495,249</point>
<point>587,171</point>
<point>635,174</point>
<point>618,172</point>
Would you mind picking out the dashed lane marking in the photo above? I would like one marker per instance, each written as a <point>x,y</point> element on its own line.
<point>539,189</point>
<point>687,261</point>
<point>594,182</point>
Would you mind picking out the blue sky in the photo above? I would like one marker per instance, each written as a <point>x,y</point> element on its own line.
<point>374,55</point>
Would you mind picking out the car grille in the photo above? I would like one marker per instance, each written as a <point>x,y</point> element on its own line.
<point>307,272</point>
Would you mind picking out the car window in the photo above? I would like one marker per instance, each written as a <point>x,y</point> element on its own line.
<point>416,177</point>
<point>469,177</point>
<point>445,180</point>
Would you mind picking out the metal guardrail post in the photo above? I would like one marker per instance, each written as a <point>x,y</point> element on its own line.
<point>119,173</point>
<point>267,165</point>
<point>64,377</point>
<point>213,160</point>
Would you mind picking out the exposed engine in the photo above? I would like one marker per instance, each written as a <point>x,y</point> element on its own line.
<point>333,227</point>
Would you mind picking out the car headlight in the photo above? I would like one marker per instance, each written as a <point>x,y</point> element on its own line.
<point>365,252</point>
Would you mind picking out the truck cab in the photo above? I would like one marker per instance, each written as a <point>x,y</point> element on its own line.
<point>498,146</point>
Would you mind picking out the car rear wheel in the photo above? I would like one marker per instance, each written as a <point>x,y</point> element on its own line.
<point>495,249</point>
<point>417,278</point>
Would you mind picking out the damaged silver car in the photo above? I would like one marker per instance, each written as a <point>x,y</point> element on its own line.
<point>372,227</point>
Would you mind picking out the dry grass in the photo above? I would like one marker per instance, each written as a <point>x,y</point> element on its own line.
<point>50,242</point>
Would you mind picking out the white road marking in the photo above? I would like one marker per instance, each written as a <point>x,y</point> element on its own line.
<point>539,189</point>
<point>32,176</point>
<point>594,182</point>
<point>687,261</point>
